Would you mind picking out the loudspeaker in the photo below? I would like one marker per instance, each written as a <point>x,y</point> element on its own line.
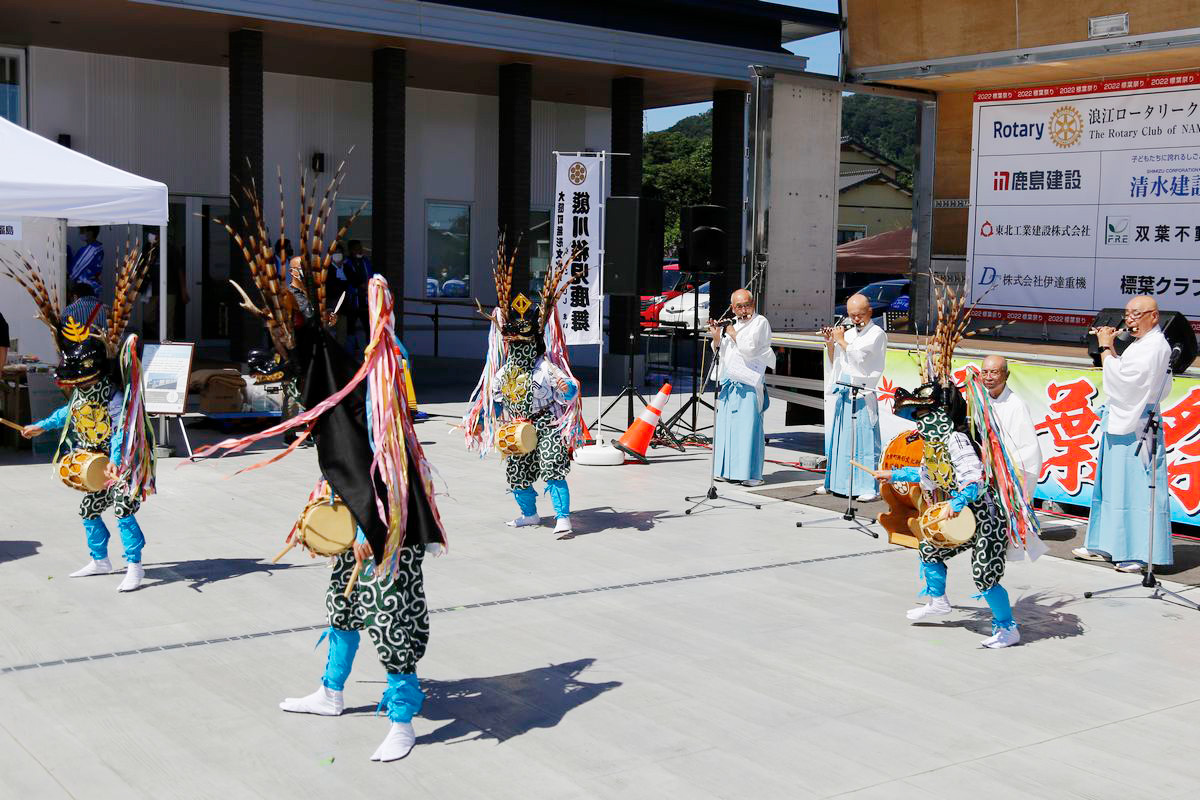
<point>1174,325</point>
<point>633,246</point>
<point>702,239</point>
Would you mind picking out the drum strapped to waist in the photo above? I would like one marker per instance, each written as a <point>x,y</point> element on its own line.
<point>326,527</point>
<point>83,470</point>
<point>952,532</point>
<point>516,438</point>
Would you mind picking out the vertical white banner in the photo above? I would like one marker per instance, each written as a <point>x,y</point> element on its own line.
<point>578,197</point>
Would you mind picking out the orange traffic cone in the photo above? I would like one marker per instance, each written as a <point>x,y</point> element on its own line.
<point>637,438</point>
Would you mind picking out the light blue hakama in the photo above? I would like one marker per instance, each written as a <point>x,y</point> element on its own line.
<point>837,445</point>
<point>1121,500</point>
<point>738,447</point>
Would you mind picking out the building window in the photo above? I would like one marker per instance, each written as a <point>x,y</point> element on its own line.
<point>360,230</point>
<point>12,89</point>
<point>848,233</point>
<point>539,253</point>
<point>447,249</point>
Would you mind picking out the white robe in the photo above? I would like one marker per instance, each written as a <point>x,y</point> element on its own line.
<point>1020,438</point>
<point>1117,524</point>
<point>1131,379</point>
<point>861,363</point>
<point>747,359</point>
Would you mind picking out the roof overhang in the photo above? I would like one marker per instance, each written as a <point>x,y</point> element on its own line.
<point>1127,55</point>
<point>449,48</point>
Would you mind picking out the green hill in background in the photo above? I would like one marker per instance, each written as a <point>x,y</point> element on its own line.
<point>677,162</point>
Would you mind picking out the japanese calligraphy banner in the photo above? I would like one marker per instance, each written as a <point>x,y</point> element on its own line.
<point>1083,195</point>
<point>578,199</point>
<point>1066,405</point>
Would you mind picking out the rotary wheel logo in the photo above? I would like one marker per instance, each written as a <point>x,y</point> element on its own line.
<point>577,173</point>
<point>1066,126</point>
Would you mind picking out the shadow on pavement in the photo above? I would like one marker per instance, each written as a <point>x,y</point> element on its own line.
<point>1039,616</point>
<point>201,572</point>
<point>501,707</point>
<point>11,551</point>
<point>606,518</point>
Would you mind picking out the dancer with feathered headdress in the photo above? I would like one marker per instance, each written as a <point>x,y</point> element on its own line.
<point>964,470</point>
<point>527,401</point>
<point>374,473</point>
<point>104,419</point>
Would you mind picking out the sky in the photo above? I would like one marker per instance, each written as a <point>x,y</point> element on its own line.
<point>822,52</point>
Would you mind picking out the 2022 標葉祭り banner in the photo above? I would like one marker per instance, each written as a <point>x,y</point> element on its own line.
<point>1085,195</point>
<point>1066,405</point>
<point>575,229</point>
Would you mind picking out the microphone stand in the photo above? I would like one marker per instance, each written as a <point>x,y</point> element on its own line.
<point>698,500</point>
<point>851,511</point>
<point>1150,580</point>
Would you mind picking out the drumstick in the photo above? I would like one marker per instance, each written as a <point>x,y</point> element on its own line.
<point>353,579</point>
<point>860,466</point>
<point>283,552</point>
<point>12,425</point>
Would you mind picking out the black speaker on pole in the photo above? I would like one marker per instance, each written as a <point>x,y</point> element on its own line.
<point>702,239</point>
<point>1174,325</point>
<point>633,246</point>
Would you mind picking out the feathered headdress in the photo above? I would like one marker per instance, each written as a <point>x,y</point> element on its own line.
<point>316,254</point>
<point>130,273</point>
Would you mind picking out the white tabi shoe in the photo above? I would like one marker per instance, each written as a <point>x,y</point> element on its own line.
<point>133,578</point>
<point>869,497</point>
<point>1131,566</point>
<point>93,567</point>
<point>1004,637</point>
<point>521,522</point>
<point>753,482</point>
<point>562,525</point>
<point>1088,555</point>
<point>935,607</point>
<point>324,701</point>
<point>397,744</point>
<point>820,490</point>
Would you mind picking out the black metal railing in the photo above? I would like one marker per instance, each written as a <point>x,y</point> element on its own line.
<point>437,314</point>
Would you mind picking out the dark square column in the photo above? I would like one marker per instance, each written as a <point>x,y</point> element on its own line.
<point>513,163</point>
<point>245,168</point>
<point>626,171</point>
<point>389,79</point>
<point>728,158</point>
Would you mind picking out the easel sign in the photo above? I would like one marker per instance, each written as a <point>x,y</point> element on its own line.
<point>166,367</point>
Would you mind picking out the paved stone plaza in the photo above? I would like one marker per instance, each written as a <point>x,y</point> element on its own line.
<point>726,654</point>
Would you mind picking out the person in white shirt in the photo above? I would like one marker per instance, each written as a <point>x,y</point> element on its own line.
<point>1135,382</point>
<point>1014,421</point>
<point>745,355</point>
<point>856,357</point>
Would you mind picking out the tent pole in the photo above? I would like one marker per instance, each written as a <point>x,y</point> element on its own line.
<point>162,283</point>
<point>162,313</point>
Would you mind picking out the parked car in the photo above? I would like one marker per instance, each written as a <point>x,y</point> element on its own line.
<point>883,296</point>
<point>680,311</point>
<point>675,283</point>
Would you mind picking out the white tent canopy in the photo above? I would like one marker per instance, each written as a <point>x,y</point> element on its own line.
<point>39,178</point>
<point>42,183</point>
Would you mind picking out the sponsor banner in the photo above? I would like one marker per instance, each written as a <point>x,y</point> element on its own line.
<point>10,230</point>
<point>1066,405</point>
<point>1085,195</point>
<point>579,197</point>
<point>1092,87</point>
